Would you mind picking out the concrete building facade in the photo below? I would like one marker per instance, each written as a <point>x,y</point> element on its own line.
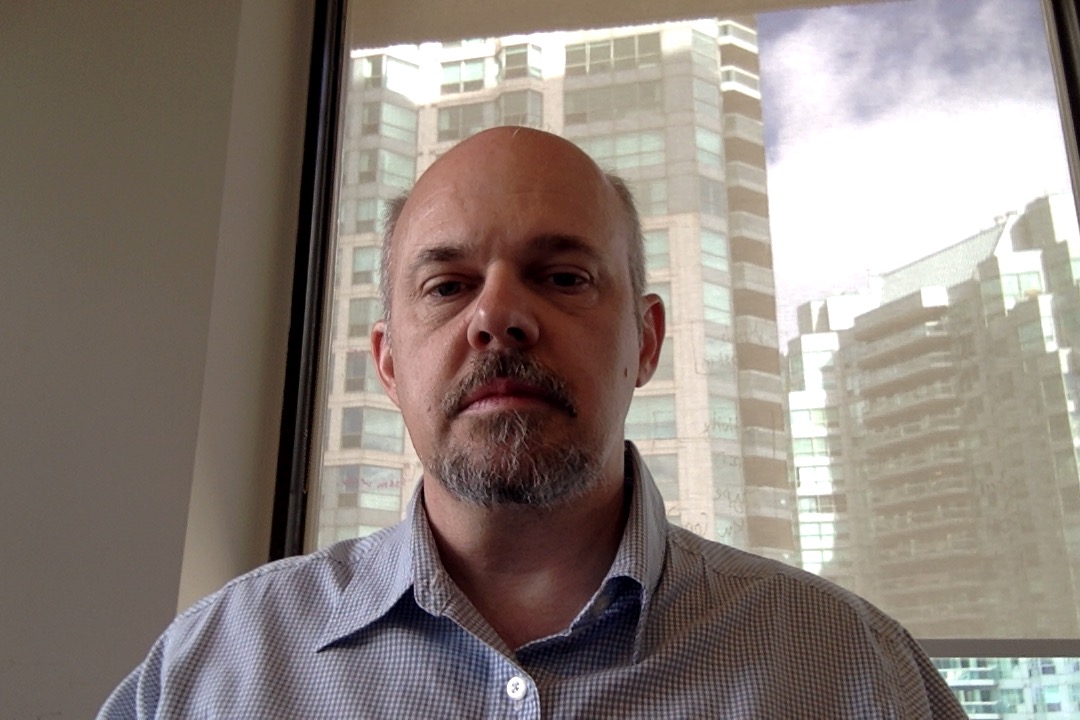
<point>675,109</point>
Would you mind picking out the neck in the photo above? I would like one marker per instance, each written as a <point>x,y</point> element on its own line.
<point>528,571</point>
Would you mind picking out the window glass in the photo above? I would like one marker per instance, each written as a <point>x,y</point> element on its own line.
<point>877,284</point>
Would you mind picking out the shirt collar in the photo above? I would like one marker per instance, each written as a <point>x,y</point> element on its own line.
<point>382,569</point>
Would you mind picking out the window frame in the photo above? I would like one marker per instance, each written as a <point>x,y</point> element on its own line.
<point>300,427</point>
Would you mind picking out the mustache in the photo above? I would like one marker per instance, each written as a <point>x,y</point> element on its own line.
<point>509,365</point>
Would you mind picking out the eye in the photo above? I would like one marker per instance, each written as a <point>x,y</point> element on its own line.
<point>567,280</point>
<point>446,288</point>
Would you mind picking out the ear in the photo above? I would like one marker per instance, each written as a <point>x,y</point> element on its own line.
<point>384,359</point>
<point>652,337</point>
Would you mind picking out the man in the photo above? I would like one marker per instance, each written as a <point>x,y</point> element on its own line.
<point>536,574</point>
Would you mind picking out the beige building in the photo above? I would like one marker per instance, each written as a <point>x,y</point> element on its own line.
<point>674,108</point>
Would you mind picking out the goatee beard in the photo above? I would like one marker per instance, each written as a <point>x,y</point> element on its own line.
<point>509,461</point>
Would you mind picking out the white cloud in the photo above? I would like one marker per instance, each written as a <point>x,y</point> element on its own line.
<point>888,152</point>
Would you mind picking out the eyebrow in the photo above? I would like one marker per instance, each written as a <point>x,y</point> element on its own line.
<point>541,244</point>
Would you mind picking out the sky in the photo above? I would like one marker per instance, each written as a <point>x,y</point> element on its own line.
<point>895,129</point>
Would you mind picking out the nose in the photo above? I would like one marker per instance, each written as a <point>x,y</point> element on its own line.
<point>503,315</point>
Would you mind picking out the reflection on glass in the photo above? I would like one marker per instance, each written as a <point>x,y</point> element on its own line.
<point>893,403</point>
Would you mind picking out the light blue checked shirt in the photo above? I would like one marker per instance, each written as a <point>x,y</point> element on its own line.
<point>680,628</point>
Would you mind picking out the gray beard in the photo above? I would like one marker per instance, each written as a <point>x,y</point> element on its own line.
<point>512,468</point>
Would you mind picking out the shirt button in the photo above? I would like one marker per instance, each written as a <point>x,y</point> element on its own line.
<point>516,687</point>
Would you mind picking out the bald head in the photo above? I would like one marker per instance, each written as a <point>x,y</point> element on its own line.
<point>516,156</point>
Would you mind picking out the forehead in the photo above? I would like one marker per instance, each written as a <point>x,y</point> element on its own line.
<point>510,188</point>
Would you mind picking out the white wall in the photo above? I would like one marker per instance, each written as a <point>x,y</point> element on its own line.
<point>149,162</point>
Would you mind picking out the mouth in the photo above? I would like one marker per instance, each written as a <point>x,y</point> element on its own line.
<point>507,394</point>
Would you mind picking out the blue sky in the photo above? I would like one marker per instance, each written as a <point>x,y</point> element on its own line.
<point>894,129</point>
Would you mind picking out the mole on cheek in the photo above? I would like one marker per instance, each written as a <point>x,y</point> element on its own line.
<point>626,372</point>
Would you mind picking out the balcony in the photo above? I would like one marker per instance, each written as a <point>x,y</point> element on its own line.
<point>749,225</point>
<point>756,331</point>
<point>762,442</point>
<point>895,437</point>
<point>747,276</point>
<point>921,522</point>
<point>919,553</point>
<point>920,370</point>
<point>922,400</point>
<point>911,341</point>
<point>914,464</point>
<point>744,175</point>
<point>758,385</point>
<point>744,128</point>
<point>932,490</point>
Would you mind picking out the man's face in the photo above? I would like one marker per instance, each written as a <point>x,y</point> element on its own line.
<point>514,345</point>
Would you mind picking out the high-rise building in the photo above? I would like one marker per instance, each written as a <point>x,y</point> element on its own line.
<point>675,109</point>
<point>949,408</point>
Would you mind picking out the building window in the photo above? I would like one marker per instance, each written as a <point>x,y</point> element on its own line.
<point>372,429</point>
<point>396,170</point>
<point>627,150</point>
<point>706,98</point>
<point>622,53</point>
<point>665,471</point>
<point>719,354</point>
<point>714,250</point>
<point>388,120</point>
<point>703,48</point>
<point>723,419</point>
<point>521,61</point>
<point>360,375</point>
<point>523,107</point>
<point>365,265</point>
<point>710,147</point>
<point>713,196</point>
<point>717,302</point>
<point>657,252</point>
<point>612,102</point>
<point>363,312</point>
<point>463,76</point>
<point>461,121</point>
<point>382,71</point>
<point>651,417</point>
<point>651,196</point>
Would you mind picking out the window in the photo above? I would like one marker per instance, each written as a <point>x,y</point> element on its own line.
<point>657,254</point>
<point>369,428</point>
<point>524,107</point>
<point>706,98</point>
<point>621,152</point>
<point>388,120</point>
<point>827,254</point>
<point>462,76</point>
<point>717,303</point>
<point>713,196</point>
<point>383,71</point>
<point>365,265</point>
<point>710,147</point>
<point>612,102</point>
<point>363,312</point>
<point>714,250</point>
<point>521,61</point>
<point>461,121</point>
<point>360,373</point>
<point>622,53</point>
<point>651,417</point>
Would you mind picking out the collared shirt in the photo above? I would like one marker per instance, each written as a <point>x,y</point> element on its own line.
<point>681,627</point>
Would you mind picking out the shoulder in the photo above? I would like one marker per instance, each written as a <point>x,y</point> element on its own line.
<point>289,592</point>
<point>729,577</point>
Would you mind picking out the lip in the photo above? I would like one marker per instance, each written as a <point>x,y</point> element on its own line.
<point>504,394</point>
